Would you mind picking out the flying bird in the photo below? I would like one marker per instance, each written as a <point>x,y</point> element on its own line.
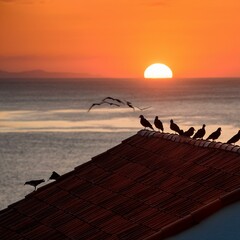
<point>113,99</point>
<point>129,104</point>
<point>215,135</point>
<point>145,122</point>
<point>200,132</point>
<point>235,138</point>
<point>117,102</point>
<point>174,127</point>
<point>189,132</point>
<point>54,176</point>
<point>103,102</point>
<point>143,108</point>
<point>34,183</point>
<point>158,124</point>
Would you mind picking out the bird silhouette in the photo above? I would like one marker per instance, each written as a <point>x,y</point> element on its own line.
<point>103,102</point>
<point>200,132</point>
<point>235,138</point>
<point>158,124</point>
<point>215,135</point>
<point>117,102</point>
<point>189,132</point>
<point>143,108</point>
<point>113,99</point>
<point>174,127</point>
<point>181,132</point>
<point>129,104</point>
<point>34,183</point>
<point>54,176</point>
<point>145,123</point>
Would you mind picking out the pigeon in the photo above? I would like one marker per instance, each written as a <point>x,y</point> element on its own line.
<point>181,132</point>
<point>189,132</point>
<point>200,132</point>
<point>235,138</point>
<point>54,176</point>
<point>215,135</point>
<point>158,124</point>
<point>174,126</point>
<point>145,122</point>
<point>34,183</point>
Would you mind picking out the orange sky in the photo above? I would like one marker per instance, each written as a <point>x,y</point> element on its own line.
<point>121,38</point>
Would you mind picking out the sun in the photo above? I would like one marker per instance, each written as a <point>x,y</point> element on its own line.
<point>158,70</point>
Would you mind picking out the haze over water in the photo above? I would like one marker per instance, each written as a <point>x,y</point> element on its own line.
<point>45,126</point>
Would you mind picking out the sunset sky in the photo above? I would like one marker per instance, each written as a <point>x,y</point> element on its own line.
<point>109,38</point>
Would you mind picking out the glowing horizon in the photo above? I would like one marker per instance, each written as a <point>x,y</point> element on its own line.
<point>93,37</point>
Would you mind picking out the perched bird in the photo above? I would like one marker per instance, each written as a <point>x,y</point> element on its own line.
<point>34,183</point>
<point>145,122</point>
<point>200,132</point>
<point>174,127</point>
<point>235,138</point>
<point>189,132</point>
<point>215,135</point>
<point>54,176</point>
<point>181,132</point>
<point>103,102</point>
<point>158,124</point>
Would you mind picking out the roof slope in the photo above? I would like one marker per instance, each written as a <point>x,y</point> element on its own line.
<point>150,186</point>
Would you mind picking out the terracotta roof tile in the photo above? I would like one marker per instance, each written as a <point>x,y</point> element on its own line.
<point>150,186</point>
<point>9,234</point>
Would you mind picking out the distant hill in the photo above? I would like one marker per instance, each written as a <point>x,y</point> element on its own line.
<point>42,74</point>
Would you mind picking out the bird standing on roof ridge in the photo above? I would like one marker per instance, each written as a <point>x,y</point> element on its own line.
<point>34,183</point>
<point>158,124</point>
<point>235,138</point>
<point>174,127</point>
<point>54,176</point>
<point>189,132</point>
<point>200,132</point>
<point>145,123</point>
<point>215,135</point>
<point>181,132</point>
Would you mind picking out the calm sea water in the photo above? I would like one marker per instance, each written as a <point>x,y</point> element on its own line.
<point>45,126</point>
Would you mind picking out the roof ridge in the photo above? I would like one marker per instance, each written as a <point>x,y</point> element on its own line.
<point>198,142</point>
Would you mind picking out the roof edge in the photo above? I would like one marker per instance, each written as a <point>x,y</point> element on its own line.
<point>196,216</point>
<point>197,143</point>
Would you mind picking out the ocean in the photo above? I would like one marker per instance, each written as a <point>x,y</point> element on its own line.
<point>45,125</point>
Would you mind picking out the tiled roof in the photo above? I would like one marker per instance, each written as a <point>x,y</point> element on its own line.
<point>150,186</point>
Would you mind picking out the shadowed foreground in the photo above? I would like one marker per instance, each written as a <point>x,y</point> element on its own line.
<point>150,186</point>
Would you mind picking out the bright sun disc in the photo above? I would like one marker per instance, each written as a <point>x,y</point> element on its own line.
<point>158,70</point>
